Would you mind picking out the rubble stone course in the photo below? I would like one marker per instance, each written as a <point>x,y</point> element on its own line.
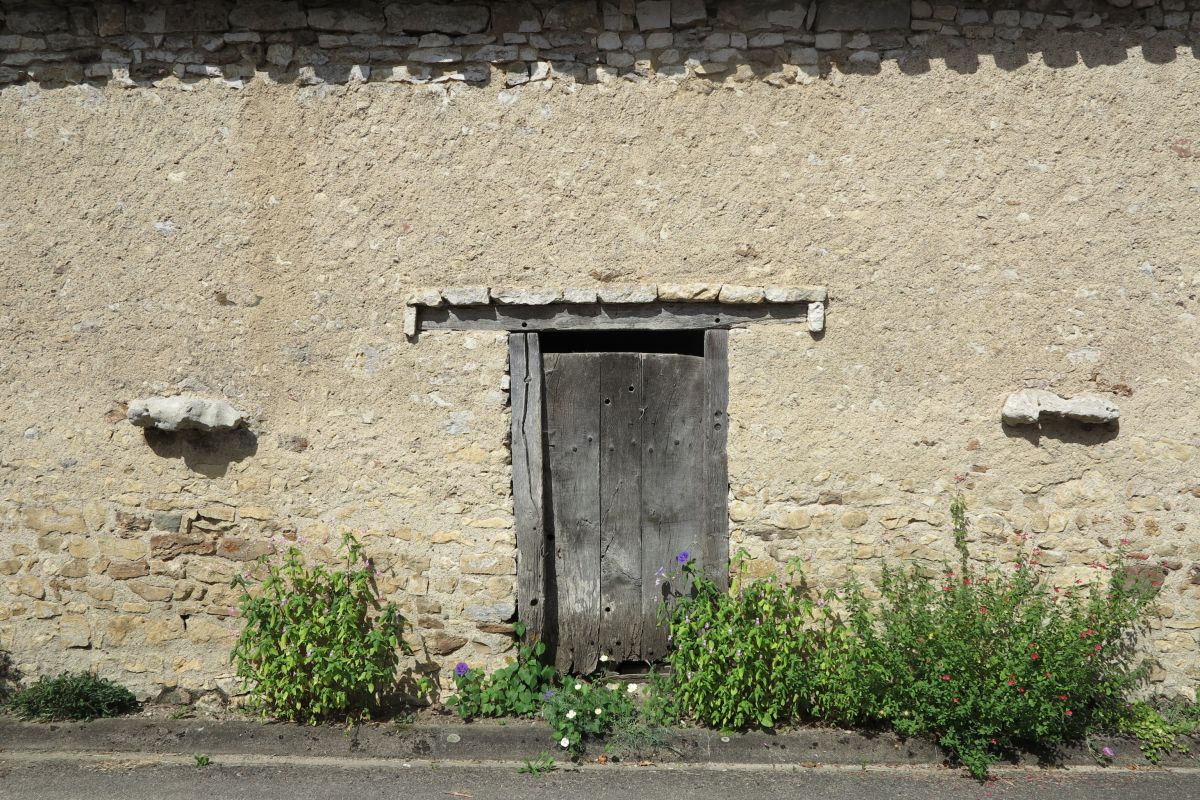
<point>242,201</point>
<point>781,42</point>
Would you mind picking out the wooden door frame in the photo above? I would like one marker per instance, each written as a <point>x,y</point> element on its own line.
<point>528,469</point>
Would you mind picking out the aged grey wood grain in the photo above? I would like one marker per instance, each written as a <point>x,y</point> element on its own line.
<point>716,478</point>
<point>572,382</point>
<point>620,505</point>
<point>672,508</point>
<point>599,316</point>
<point>525,371</point>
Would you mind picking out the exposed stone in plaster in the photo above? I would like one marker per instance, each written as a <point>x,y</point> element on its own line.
<point>816,317</point>
<point>1026,406</point>
<point>183,412</point>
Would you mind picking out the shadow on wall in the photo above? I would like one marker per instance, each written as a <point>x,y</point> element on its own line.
<point>512,43</point>
<point>209,454</point>
<point>1063,430</point>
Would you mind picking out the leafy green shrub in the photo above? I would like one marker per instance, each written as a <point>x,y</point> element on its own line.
<point>747,657</point>
<point>318,643</point>
<point>516,690</point>
<point>985,661</point>
<point>73,695</point>
<point>978,659</point>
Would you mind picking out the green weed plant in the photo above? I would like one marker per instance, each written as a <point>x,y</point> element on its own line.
<point>318,643</point>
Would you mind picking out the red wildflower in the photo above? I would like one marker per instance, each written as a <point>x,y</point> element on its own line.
<point>1099,647</point>
<point>982,609</point>
<point>945,677</point>
<point>956,699</point>
<point>1011,681</point>
<point>1062,697</point>
<point>1070,713</point>
<point>1033,656</point>
<point>1021,689</point>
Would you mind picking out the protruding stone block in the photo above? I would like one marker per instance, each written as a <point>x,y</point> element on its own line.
<point>628,294</point>
<point>579,295</point>
<point>183,412</point>
<point>816,317</point>
<point>689,292</point>
<point>527,297</point>
<point>1026,407</point>
<point>742,294</point>
<point>467,295</point>
<point>796,294</point>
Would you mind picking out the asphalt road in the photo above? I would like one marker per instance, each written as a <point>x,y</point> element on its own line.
<point>99,777</point>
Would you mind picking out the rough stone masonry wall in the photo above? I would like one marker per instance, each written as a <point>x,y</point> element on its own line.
<point>516,42</point>
<point>1010,200</point>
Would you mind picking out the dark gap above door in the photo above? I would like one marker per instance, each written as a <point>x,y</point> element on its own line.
<point>686,343</point>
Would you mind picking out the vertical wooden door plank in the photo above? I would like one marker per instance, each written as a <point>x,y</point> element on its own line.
<point>716,476</point>
<point>673,511</point>
<point>620,506</point>
<point>572,388</point>
<point>525,371</point>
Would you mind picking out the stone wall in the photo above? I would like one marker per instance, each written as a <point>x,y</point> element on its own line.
<point>1015,209</point>
<point>518,42</point>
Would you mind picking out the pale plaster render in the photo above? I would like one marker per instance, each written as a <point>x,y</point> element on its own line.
<point>979,231</point>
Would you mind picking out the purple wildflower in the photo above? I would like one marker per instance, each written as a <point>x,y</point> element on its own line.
<point>1107,751</point>
<point>683,557</point>
<point>461,669</point>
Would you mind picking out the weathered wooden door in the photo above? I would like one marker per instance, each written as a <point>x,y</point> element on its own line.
<point>633,452</point>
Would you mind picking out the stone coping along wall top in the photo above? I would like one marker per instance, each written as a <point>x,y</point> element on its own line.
<point>810,298</point>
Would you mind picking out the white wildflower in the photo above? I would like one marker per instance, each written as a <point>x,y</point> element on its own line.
<point>571,714</point>
<point>578,686</point>
<point>632,688</point>
<point>603,658</point>
<point>599,711</point>
<point>565,742</point>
